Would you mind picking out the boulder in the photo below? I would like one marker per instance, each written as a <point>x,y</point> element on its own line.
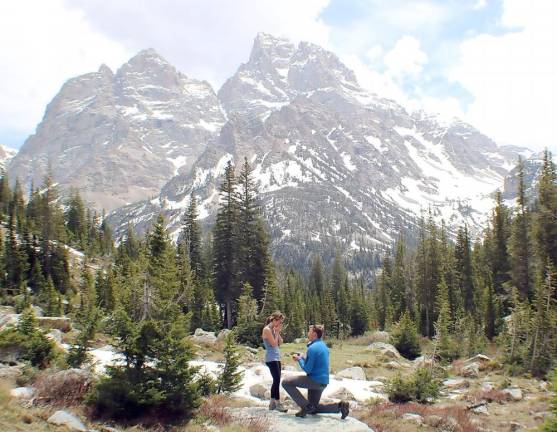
<point>10,354</point>
<point>478,358</point>
<point>414,418</point>
<point>204,337</point>
<point>423,361</point>
<point>456,383</point>
<point>288,422</point>
<point>515,393</point>
<point>252,350</point>
<point>258,390</point>
<point>24,393</point>
<point>10,372</point>
<point>223,334</point>
<point>384,349</point>
<point>64,418</point>
<point>55,335</point>
<point>38,311</point>
<point>300,340</point>
<point>487,386</point>
<point>356,373</point>
<point>63,324</point>
<point>471,370</point>
<point>8,320</point>
<point>342,394</point>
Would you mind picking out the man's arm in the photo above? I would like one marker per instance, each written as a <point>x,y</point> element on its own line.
<point>308,364</point>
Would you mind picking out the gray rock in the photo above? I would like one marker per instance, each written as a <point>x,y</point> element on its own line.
<point>10,372</point>
<point>487,386</point>
<point>223,334</point>
<point>516,427</point>
<point>471,370</point>
<point>514,393</point>
<point>55,335</point>
<point>414,418</point>
<point>64,418</point>
<point>39,312</point>
<point>355,372</point>
<point>300,340</point>
<point>287,422</point>
<point>478,358</point>
<point>8,320</point>
<point>342,394</point>
<point>204,337</point>
<point>24,393</point>
<point>456,383</point>
<point>259,391</point>
<point>384,349</point>
<point>381,336</point>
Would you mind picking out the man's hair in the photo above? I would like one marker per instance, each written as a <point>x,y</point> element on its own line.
<point>319,329</point>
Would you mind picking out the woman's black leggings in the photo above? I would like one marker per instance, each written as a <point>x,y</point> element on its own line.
<point>274,367</point>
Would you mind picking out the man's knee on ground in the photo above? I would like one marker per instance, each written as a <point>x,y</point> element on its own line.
<point>287,382</point>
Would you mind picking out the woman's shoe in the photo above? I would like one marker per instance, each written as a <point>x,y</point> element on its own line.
<point>272,404</point>
<point>280,407</point>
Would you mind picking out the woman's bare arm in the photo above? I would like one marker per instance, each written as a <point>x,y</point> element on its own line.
<point>268,334</point>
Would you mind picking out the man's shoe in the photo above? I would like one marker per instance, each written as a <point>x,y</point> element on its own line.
<point>344,409</point>
<point>308,409</point>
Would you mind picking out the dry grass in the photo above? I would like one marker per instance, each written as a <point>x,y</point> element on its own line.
<point>488,396</point>
<point>14,417</point>
<point>387,417</point>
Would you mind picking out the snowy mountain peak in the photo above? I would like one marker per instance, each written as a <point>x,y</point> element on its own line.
<point>105,70</point>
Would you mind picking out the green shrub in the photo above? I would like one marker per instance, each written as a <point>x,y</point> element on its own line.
<point>206,384</point>
<point>28,342</point>
<point>249,333</point>
<point>404,336</point>
<point>421,387</point>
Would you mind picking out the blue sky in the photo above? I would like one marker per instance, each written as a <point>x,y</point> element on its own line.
<point>489,62</point>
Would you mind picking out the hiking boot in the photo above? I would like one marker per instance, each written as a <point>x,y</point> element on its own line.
<point>308,409</point>
<point>344,409</point>
<point>280,407</point>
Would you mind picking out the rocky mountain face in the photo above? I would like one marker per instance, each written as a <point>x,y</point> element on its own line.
<point>338,168</point>
<point>6,154</point>
<point>119,137</point>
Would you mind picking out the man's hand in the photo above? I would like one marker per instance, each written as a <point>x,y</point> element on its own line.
<point>296,357</point>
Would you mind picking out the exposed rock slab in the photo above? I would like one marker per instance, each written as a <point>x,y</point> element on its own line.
<point>279,422</point>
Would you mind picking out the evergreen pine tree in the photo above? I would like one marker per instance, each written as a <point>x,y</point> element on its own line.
<point>519,243</point>
<point>230,378</point>
<point>225,265</point>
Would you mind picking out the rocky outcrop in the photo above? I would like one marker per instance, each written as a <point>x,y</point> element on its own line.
<point>204,337</point>
<point>68,420</point>
<point>355,372</point>
<point>279,422</point>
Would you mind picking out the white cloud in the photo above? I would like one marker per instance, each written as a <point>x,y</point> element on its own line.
<point>44,44</point>
<point>406,58</point>
<point>513,77</point>
<point>205,39</point>
<point>480,4</point>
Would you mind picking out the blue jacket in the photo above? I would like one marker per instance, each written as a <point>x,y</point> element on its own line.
<point>316,363</point>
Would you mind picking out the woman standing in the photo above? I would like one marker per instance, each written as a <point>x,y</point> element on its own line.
<point>272,340</point>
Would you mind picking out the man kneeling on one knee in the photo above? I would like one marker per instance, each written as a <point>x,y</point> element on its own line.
<point>316,366</point>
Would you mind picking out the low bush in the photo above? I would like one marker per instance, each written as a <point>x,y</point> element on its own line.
<point>421,387</point>
<point>27,342</point>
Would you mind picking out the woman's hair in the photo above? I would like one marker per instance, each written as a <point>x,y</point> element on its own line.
<point>276,315</point>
